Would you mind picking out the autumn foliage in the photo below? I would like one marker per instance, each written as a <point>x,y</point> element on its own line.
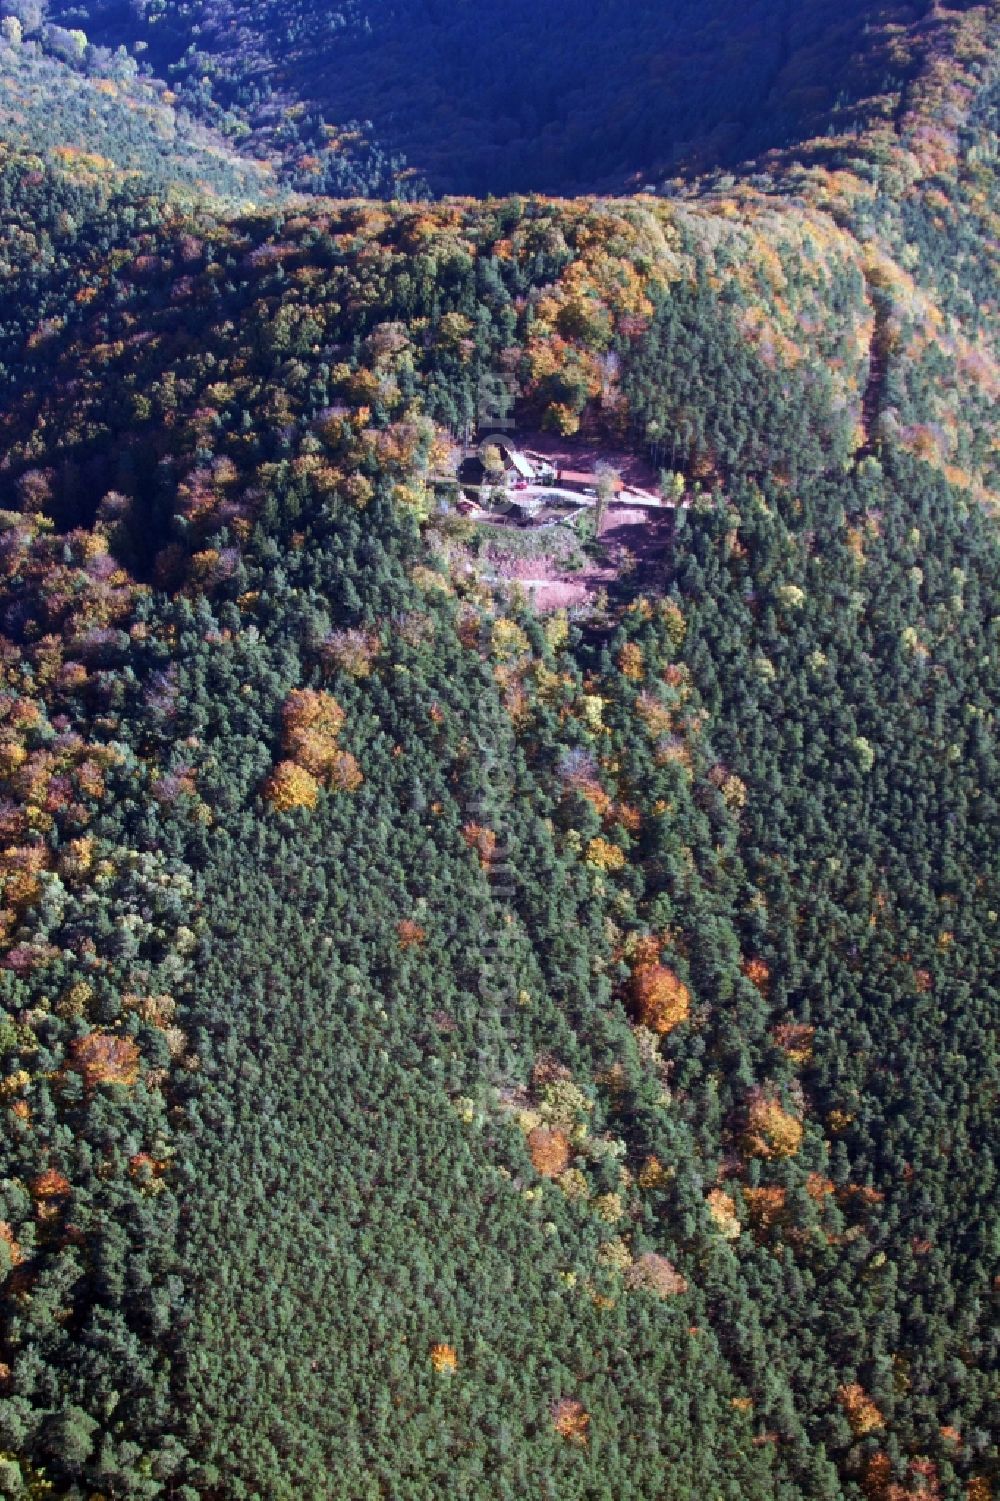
<point>722,1208</point>
<point>571,1420</point>
<point>104,1058</point>
<point>652,1174</point>
<point>410,934</point>
<point>549,1150</point>
<point>50,1185</point>
<point>291,786</point>
<point>630,661</point>
<point>603,855</point>
<point>861,1412</point>
<point>311,724</point>
<point>662,999</point>
<point>796,1038</point>
<point>482,840</point>
<point>766,1206</point>
<point>758,973</point>
<point>771,1131</point>
<point>921,1482</point>
<point>14,1253</point>
<point>653,1273</point>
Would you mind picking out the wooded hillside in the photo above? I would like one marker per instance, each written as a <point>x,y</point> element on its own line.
<point>453,1048</point>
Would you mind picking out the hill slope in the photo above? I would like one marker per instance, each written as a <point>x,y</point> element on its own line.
<point>105,125</point>
<point>449,1048</point>
<point>572,98</point>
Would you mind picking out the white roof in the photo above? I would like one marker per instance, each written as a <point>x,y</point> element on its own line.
<point>523,466</point>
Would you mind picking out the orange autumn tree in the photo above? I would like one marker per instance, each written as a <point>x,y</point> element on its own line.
<point>662,998</point>
<point>104,1058</point>
<point>480,839</point>
<point>410,934</point>
<point>549,1150</point>
<point>51,1184</point>
<point>766,1206</point>
<point>758,973</point>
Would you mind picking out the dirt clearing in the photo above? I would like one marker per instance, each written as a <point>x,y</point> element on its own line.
<point>582,454</point>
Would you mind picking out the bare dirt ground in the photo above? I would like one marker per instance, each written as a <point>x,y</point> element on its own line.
<point>583,454</point>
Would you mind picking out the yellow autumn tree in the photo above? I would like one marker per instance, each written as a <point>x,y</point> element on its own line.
<point>603,855</point>
<point>444,1359</point>
<point>722,1208</point>
<point>859,1409</point>
<point>772,1131</point>
<point>291,786</point>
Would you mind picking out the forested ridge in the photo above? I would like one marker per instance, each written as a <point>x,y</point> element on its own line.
<point>561,98</point>
<point>450,1047</point>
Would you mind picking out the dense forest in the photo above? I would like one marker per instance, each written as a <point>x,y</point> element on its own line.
<point>563,98</point>
<point>450,1046</point>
